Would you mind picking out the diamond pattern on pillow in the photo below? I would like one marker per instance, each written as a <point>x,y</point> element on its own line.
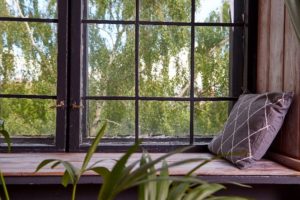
<point>251,127</point>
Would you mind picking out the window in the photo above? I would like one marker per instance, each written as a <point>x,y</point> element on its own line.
<point>32,72</point>
<point>166,72</point>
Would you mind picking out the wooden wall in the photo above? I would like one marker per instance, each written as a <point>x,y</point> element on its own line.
<point>278,69</point>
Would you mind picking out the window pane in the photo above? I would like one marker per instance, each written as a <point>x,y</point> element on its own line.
<point>118,114</point>
<point>214,11</point>
<point>210,117</point>
<point>164,61</point>
<point>164,119</point>
<point>28,8</point>
<point>111,9</point>
<point>28,58</point>
<point>28,117</point>
<point>171,11</point>
<point>111,63</point>
<point>212,62</point>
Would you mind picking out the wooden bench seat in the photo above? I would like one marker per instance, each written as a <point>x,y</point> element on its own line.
<point>18,168</point>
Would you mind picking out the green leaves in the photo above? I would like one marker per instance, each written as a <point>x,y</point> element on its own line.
<point>72,174</point>
<point>5,134</point>
<point>7,139</point>
<point>4,186</point>
<point>93,147</point>
<point>142,173</point>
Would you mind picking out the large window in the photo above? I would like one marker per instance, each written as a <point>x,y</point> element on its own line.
<point>166,72</point>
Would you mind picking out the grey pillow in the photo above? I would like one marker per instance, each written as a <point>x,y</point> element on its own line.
<point>251,127</point>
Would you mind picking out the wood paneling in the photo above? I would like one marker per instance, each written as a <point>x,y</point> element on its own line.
<point>263,45</point>
<point>278,68</point>
<point>276,45</point>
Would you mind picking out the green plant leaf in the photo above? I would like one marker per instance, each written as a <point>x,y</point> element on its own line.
<point>149,188</point>
<point>44,163</point>
<point>6,139</point>
<point>55,164</point>
<point>142,186</point>
<point>140,172</point>
<point>203,191</point>
<point>72,171</point>
<point>177,191</point>
<point>112,186</point>
<point>163,185</point>
<point>199,166</point>
<point>65,179</point>
<point>4,186</point>
<point>93,147</point>
<point>227,198</point>
<point>97,162</point>
<point>102,171</point>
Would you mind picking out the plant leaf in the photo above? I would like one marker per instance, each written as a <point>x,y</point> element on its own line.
<point>96,163</point>
<point>6,138</point>
<point>72,171</point>
<point>140,172</point>
<point>203,191</point>
<point>55,164</point>
<point>44,163</point>
<point>149,188</point>
<point>226,198</point>
<point>142,186</point>
<point>112,186</point>
<point>4,186</point>
<point>93,147</point>
<point>177,191</point>
<point>163,185</point>
<point>102,171</point>
<point>65,179</point>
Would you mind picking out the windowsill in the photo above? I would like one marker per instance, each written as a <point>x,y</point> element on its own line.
<point>18,168</point>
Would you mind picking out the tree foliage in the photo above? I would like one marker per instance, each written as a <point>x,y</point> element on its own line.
<point>28,65</point>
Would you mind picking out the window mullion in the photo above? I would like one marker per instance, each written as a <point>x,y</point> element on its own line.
<point>75,66</point>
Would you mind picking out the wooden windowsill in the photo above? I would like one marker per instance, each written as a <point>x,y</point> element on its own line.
<point>18,168</point>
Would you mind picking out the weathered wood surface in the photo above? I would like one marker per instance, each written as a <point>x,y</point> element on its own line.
<point>24,164</point>
<point>278,69</point>
<point>276,45</point>
<point>263,46</point>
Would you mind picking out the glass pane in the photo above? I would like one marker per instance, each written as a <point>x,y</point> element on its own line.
<point>111,9</point>
<point>28,117</point>
<point>164,119</point>
<point>164,61</point>
<point>212,61</point>
<point>111,60</point>
<point>214,11</point>
<point>119,115</point>
<point>28,8</point>
<point>171,11</point>
<point>210,117</point>
<point>28,58</point>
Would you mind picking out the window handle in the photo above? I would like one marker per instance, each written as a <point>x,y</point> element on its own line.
<point>76,106</point>
<point>61,104</point>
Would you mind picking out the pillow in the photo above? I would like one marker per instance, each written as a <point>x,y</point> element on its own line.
<point>251,127</point>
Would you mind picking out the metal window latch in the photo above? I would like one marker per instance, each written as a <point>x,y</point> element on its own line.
<point>76,106</point>
<point>61,104</point>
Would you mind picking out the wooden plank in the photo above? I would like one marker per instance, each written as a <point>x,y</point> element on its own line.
<point>276,46</point>
<point>288,142</point>
<point>291,126</point>
<point>263,46</point>
<point>15,165</point>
